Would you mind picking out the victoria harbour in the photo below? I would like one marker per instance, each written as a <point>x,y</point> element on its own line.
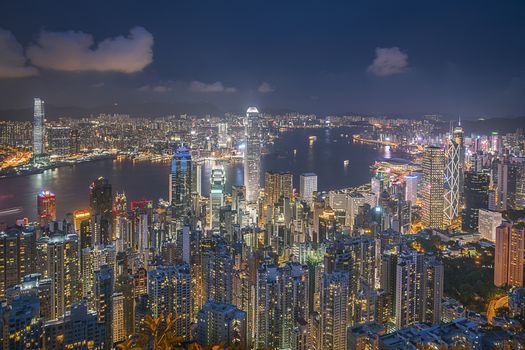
<point>148,179</point>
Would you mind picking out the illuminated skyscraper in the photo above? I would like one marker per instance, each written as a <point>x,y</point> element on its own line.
<point>488,222</point>
<point>217,181</point>
<point>453,168</point>
<point>433,186</point>
<point>100,201</point>
<point>46,207</point>
<point>508,259</point>
<point>252,154</point>
<point>334,310</point>
<point>502,178</point>
<point>169,291</point>
<point>307,186</point>
<point>63,267</point>
<point>180,183</point>
<point>103,292</point>
<point>419,289</point>
<point>38,127</point>
<point>411,188</point>
<point>223,135</point>
<point>82,225</point>
<point>277,185</point>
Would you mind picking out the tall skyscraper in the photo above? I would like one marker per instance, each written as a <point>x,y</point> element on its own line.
<point>453,168</point>
<point>411,188</point>
<point>252,154</point>
<point>217,181</point>
<point>38,127</point>
<point>180,183</point>
<point>169,291</point>
<point>46,207</point>
<point>277,185</point>
<point>419,289</point>
<point>508,259</point>
<point>307,186</point>
<point>475,198</point>
<point>101,206</point>
<point>103,292</point>
<point>334,310</point>
<point>433,186</point>
<point>502,183</point>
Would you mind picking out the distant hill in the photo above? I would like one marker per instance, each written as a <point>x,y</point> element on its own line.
<point>486,126</point>
<point>135,110</point>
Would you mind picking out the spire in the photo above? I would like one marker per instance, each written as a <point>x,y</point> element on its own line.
<point>459,119</point>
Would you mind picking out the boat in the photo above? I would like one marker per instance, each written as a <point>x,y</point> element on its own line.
<point>312,138</point>
<point>346,162</point>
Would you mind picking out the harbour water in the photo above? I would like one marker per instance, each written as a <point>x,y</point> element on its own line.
<point>293,151</point>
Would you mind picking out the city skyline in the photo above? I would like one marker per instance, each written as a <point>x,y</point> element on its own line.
<point>262,175</point>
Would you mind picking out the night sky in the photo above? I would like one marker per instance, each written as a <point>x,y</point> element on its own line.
<point>392,57</point>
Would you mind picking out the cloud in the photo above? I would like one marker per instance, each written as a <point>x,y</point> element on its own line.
<point>77,51</point>
<point>160,88</point>
<point>197,86</point>
<point>12,59</point>
<point>265,88</point>
<point>389,61</point>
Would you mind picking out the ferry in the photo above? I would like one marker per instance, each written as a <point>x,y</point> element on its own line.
<point>346,163</point>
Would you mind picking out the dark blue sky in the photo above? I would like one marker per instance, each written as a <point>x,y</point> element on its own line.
<point>400,57</point>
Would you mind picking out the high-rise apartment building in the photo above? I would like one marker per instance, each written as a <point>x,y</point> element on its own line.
<point>169,291</point>
<point>221,323</point>
<point>419,289</point>
<point>508,258</point>
<point>334,310</point>
<point>277,185</point>
<point>252,154</point>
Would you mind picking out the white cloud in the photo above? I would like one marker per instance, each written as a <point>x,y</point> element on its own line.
<point>197,86</point>
<point>160,88</point>
<point>12,59</point>
<point>389,61</point>
<point>77,51</point>
<point>265,88</point>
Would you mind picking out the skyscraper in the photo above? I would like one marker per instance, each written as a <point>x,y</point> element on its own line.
<point>277,185</point>
<point>180,183</point>
<point>433,186</point>
<point>252,154</point>
<point>502,178</point>
<point>508,259</point>
<point>411,188</point>
<point>46,207</point>
<point>452,180</point>
<point>334,310</point>
<point>488,221</point>
<point>217,181</point>
<point>169,291</point>
<point>307,186</point>
<point>101,206</point>
<point>419,289</point>
<point>475,198</point>
<point>38,127</point>
<point>103,292</point>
